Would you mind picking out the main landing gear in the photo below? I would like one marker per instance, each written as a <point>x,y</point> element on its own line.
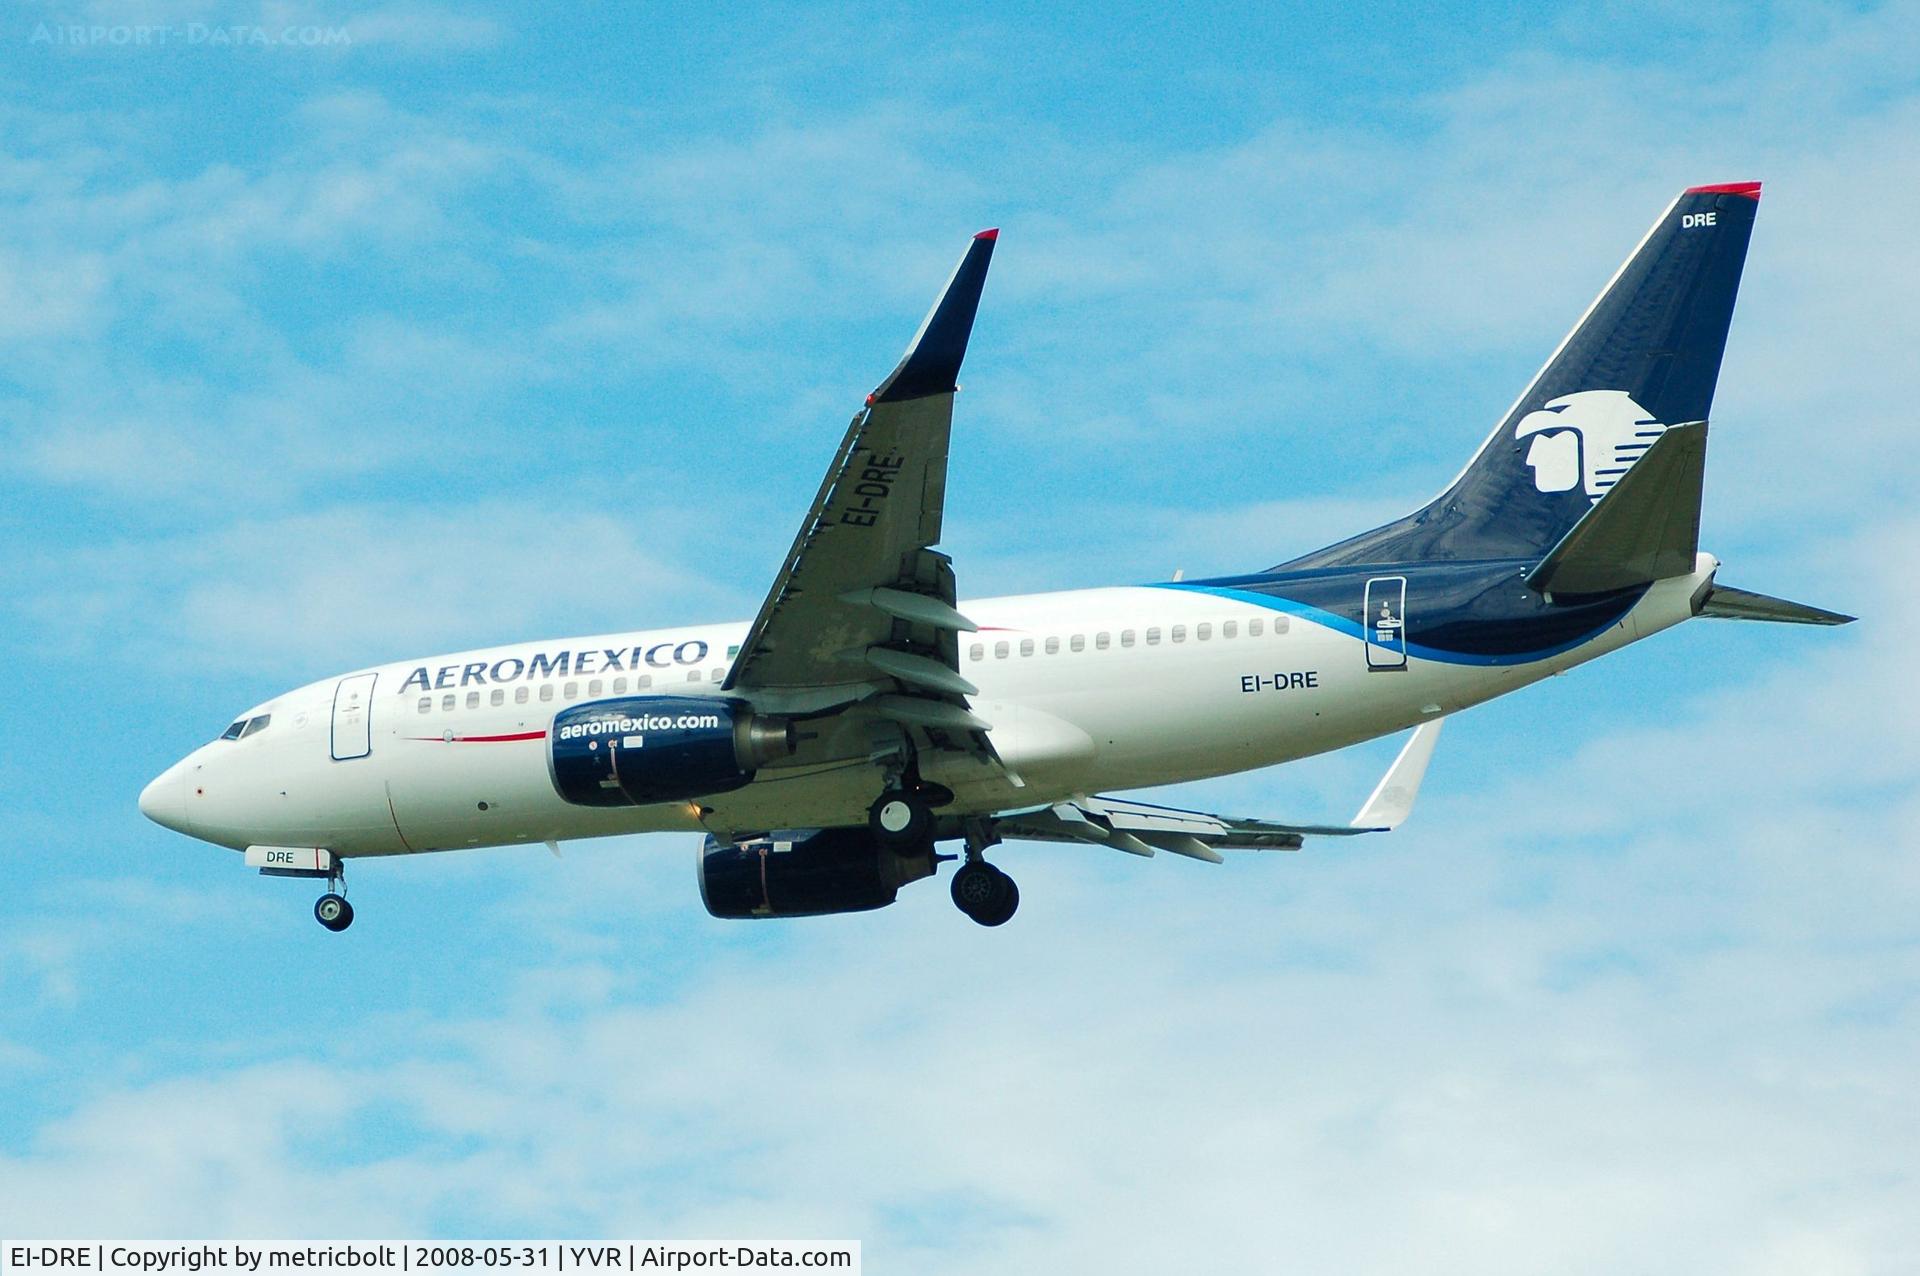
<point>984,893</point>
<point>902,819</point>
<point>980,890</point>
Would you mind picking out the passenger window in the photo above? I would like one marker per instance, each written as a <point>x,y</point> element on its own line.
<point>1202,632</point>
<point>546,691</point>
<point>999,651</point>
<point>1126,637</point>
<point>426,703</point>
<point>1153,636</point>
<point>977,652</point>
<point>1101,642</point>
<point>520,695</point>
<point>571,691</point>
<point>593,688</point>
<point>644,681</point>
<point>1079,642</point>
<point>693,675</point>
<point>1053,646</point>
<point>446,703</point>
<point>1253,628</point>
<point>498,698</point>
<point>1279,625</point>
<point>619,685</point>
<point>1026,646</point>
<point>1229,628</point>
<point>473,699</point>
<point>1179,633</point>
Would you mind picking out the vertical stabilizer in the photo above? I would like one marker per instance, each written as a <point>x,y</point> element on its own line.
<point>1644,357</point>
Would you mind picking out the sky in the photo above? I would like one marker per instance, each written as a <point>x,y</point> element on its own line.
<point>375,330</point>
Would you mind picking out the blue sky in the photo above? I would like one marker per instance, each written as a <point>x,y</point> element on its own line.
<point>486,324</point>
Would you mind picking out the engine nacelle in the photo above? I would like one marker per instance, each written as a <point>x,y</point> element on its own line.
<point>638,750</point>
<point>804,873</point>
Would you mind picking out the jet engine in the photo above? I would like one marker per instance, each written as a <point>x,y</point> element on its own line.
<point>805,872</point>
<point>639,750</point>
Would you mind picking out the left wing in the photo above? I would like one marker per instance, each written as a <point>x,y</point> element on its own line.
<point>1139,828</point>
<point>863,607</point>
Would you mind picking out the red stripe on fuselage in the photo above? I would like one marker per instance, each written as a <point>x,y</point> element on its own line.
<point>480,739</point>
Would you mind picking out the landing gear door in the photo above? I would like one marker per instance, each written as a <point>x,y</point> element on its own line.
<point>1385,617</point>
<point>352,713</point>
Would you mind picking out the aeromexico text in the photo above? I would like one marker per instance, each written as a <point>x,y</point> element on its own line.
<point>558,664</point>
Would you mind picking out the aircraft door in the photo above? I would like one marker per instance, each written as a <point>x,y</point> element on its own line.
<point>1385,618</point>
<point>352,717</point>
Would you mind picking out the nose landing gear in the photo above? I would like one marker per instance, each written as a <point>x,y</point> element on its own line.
<point>333,911</point>
<point>314,864</point>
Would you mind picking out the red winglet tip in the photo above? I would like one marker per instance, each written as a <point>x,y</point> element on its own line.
<point>1750,189</point>
<point>989,234</point>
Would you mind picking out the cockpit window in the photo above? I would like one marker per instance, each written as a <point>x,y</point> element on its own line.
<point>246,727</point>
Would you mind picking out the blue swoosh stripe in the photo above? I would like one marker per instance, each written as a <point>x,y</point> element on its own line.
<point>1352,629</point>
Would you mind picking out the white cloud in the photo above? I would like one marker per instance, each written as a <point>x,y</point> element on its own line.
<point>1251,1060</point>
<point>1206,294</point>
<point>50,958</point>
<point>423,28</point>
<point>336,588</point>
<point>47,295</point>
<point>16,1059</point>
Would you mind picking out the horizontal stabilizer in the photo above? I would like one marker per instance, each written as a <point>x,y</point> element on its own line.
<point>1725,603</point>
<point>1646,527</point>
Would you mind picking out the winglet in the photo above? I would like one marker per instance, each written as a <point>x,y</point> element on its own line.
<point>1392,799</point>
<point>931,364</point>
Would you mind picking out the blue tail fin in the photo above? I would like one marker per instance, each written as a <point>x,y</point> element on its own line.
<point>1645,356</point>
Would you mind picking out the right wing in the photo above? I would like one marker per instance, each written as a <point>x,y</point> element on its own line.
<point>860,619</point>
<point>1140,828</point>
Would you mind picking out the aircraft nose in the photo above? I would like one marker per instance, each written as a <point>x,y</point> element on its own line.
<point>165,801</point>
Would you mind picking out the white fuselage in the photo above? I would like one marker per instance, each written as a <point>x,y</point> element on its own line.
<point>1092,690</point>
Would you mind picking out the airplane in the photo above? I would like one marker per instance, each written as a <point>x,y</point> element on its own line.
<point>864,716</point>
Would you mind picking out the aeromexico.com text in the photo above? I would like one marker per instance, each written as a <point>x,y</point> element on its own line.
<point>644,722</point>
<point>557,664</point>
